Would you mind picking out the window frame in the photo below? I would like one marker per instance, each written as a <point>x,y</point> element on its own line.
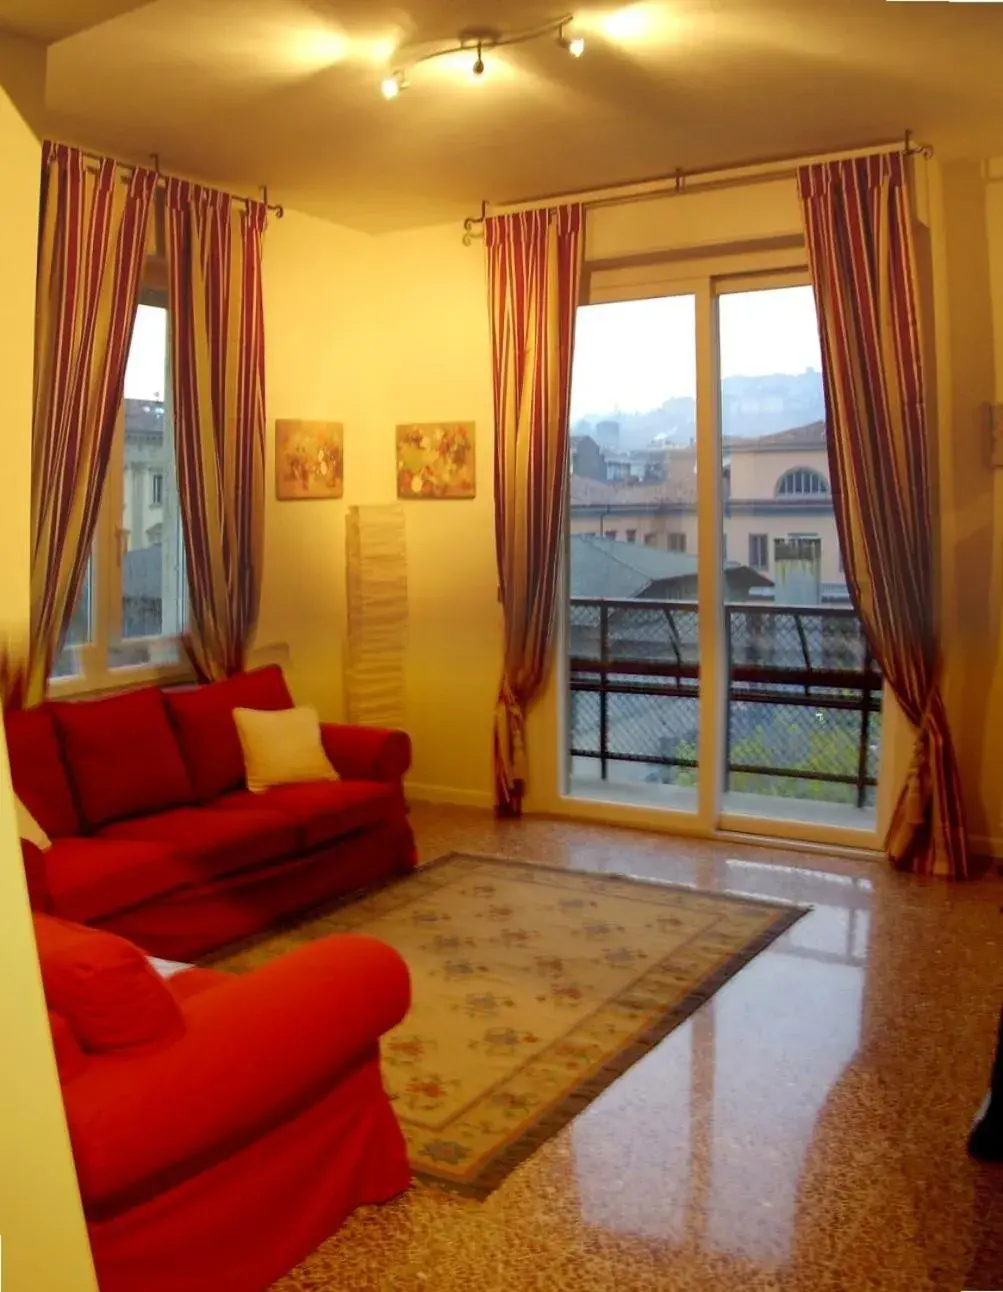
<point>93,673</point>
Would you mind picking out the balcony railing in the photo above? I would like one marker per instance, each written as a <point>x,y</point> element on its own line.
<point>804,696</point>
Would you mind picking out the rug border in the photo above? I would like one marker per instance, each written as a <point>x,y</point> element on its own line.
<point>500,1167</point>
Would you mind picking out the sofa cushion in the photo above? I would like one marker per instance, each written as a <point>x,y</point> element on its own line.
<point>104,987</point>
<point>122,756</point>
<point>88,879</point>
<point>203,720</point>
<point>216,843</point>
<point>282,748</point>
<point>70,1058</point>
<point>38,771</point>
<point>322,811</point>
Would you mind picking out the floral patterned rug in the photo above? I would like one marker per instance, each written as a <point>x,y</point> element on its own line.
<point>534,989</point>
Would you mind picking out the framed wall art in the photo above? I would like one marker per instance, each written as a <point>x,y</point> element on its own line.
<point>436,460</point>
<point>309,460</point>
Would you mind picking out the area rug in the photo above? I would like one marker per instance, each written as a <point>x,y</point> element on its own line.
<point>534,989</point>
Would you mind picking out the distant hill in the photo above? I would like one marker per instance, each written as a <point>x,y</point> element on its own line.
<point>750,406</point>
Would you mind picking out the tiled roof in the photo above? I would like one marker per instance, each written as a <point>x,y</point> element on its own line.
<point>604,567</point>
<point>586,492</point>
<point>798,437</point>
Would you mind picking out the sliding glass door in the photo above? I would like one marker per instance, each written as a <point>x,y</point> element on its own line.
<point>714,666</point>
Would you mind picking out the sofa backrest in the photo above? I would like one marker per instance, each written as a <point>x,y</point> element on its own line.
<point>78,765</point>
<point>203,722</point>
<point>122,756</point>
<point>39,772</point>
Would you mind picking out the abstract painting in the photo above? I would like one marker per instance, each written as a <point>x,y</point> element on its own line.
<point>309,459</point>
<point>436,460</point>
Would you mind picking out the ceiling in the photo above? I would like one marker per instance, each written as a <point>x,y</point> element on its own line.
<point>245,92</point>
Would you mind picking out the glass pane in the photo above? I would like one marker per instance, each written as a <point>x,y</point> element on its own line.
<point>153,592</point>
<point>68,663</point>
<point>633,626</point>
<point>804,694</point>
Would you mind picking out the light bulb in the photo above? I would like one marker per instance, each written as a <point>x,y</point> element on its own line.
<point>576,46</point>
<point>392,86</point>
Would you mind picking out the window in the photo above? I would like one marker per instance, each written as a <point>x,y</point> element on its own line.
<point>631,535</point>
<point>651,539</point>
<point>802,482</point>
<point>677,542</point>
<point>610,533</point>
<point>759,551</point>
<point>132,608</point>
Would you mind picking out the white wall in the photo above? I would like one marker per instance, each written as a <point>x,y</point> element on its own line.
<point>41,1223</point>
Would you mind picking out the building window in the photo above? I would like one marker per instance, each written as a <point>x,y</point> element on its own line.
<point>631,535</point>
<point>651,539</point>
<point>802,482</point>
<point>610,533</point>
<point>132,608</point>
<point>759,551</point>
<point>677,542</point>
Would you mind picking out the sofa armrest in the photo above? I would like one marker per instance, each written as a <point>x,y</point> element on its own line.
<point>367,753</point>
<point>257,1050</point>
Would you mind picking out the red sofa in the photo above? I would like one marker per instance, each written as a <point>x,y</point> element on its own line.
<point>156,837</point>
<point>222,1125</point>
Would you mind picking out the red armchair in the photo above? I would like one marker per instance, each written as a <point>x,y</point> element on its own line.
<point>215,1157</point>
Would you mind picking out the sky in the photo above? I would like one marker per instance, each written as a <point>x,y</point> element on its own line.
<point>146,371</point>
<point>631,356</point>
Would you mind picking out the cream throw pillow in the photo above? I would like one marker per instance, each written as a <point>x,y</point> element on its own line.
<point>28,828</point>
<point>282,747</point>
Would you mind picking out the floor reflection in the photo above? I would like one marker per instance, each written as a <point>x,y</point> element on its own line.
<point>724,1111</point>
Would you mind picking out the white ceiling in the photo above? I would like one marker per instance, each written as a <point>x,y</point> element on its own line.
<point>286,92</point>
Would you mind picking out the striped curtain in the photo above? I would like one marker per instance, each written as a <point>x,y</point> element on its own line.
<point>213,244</point>
<point>92,244</point>
<point>858,223</point>
<point>534,269</point>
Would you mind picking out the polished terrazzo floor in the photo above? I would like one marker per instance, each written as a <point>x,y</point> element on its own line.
<point>804,1132</point>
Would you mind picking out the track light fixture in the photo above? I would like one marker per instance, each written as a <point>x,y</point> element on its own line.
<point>478,39</point>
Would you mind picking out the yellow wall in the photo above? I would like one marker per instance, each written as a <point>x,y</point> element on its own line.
<point>321,364</point>
<point>373,332</point>
<point>971,518</point>
<point>41,1224</point>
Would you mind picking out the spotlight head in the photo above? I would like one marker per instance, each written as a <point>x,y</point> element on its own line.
<point>391,86</point>
<point>479,66</point>
<point>576,46</point>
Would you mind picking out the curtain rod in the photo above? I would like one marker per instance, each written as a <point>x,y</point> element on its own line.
<point>680,181</point>
<point>129,168</point>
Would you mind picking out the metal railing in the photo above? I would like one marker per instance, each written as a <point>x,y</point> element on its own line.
<point>804,695</point>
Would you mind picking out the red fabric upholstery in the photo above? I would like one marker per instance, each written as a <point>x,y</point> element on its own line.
<point>89,878</point>
<point>321,811</point>
<point>191,982</point>
<point>215,842</point>
<point>103,987</point>
<point>190,921</point>
<point>249,1217</point>
<point>70,1058</point>
<point>38,771</point>
<point>39,896</point>
<point>122,756</point>
<point>367,753</point>
<point>203,720</point>
<point>256,1051</point>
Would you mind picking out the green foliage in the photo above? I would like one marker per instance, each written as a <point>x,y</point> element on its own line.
<point>827,745</point>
